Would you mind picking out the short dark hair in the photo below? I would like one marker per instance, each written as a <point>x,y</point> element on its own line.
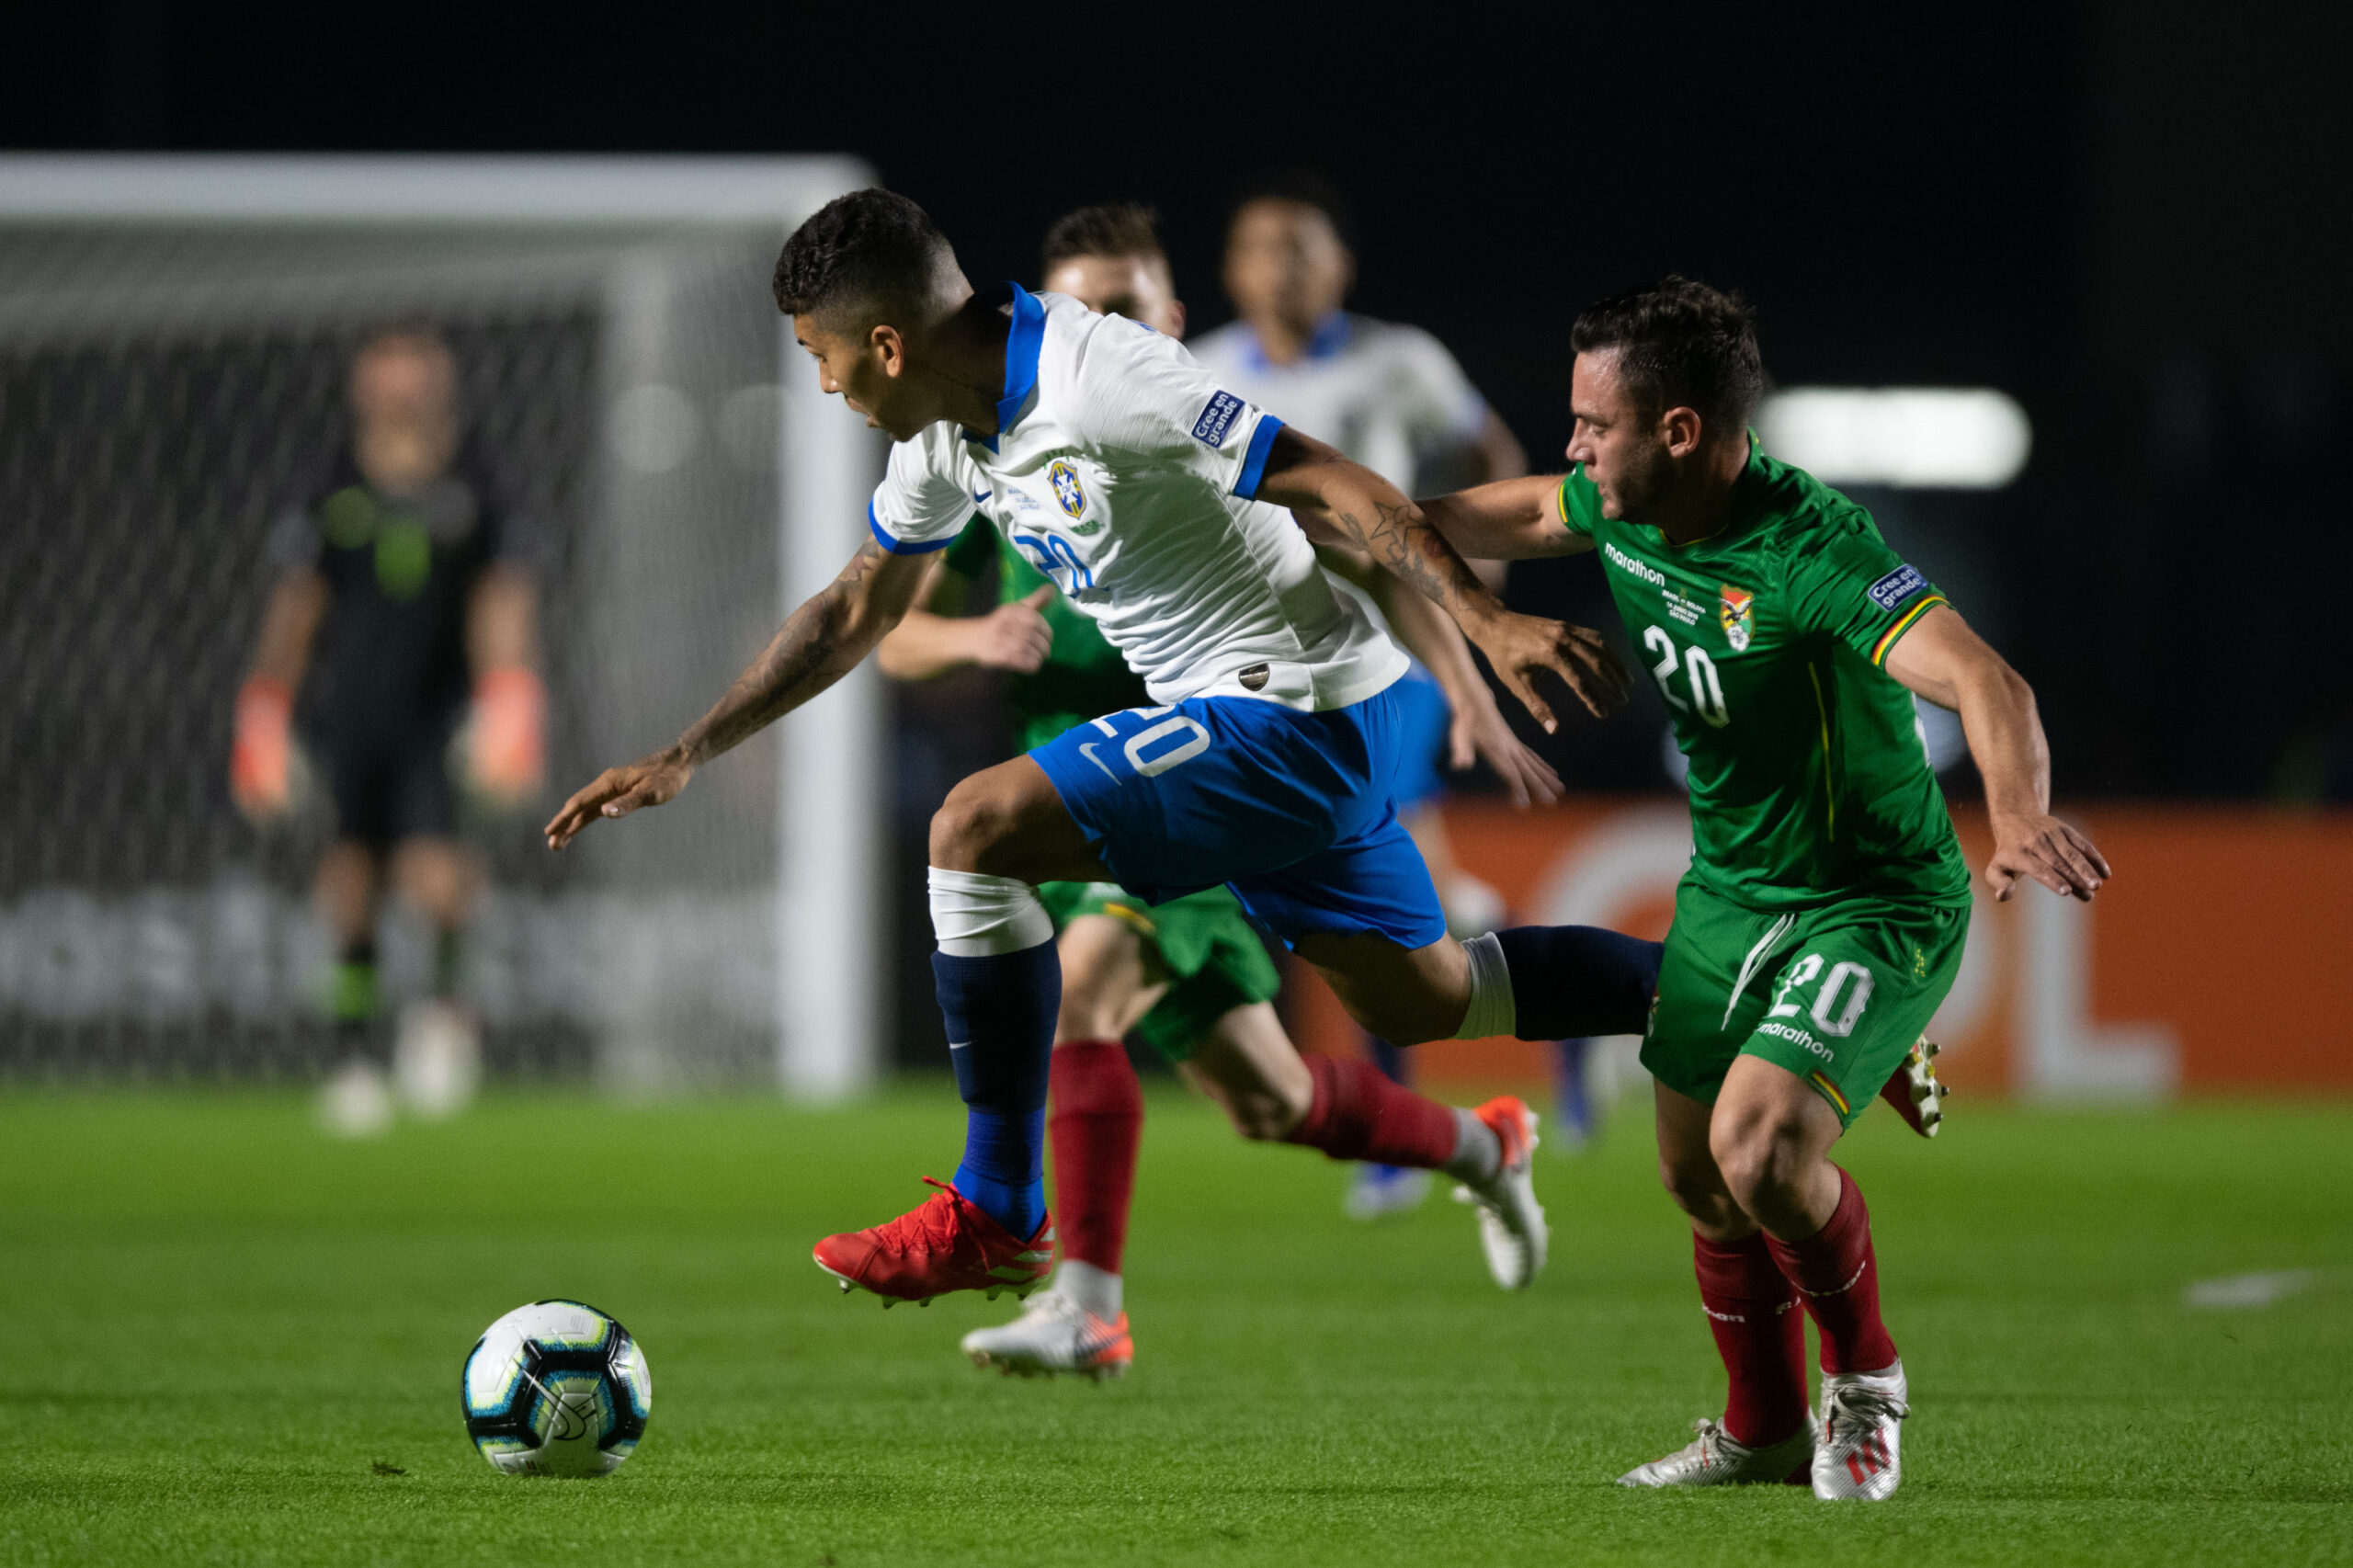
<point>870,248</point>
<point>1106,229</point>
<point>1681,345</point>
<point>1308,187</point>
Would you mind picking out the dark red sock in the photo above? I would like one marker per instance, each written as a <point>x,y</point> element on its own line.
<point>1357,1114</point>
<point>1096,1121</point>
<point>1759,1332</point>
<point>1837,1274</point>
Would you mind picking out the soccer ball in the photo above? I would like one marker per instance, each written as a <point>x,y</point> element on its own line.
<point>556,1388</point>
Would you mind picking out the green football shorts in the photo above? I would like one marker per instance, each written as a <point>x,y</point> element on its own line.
<point>1836,995</point>
<point>1212,957</point>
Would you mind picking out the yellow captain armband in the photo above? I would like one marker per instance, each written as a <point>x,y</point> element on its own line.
<point>1888,639</point>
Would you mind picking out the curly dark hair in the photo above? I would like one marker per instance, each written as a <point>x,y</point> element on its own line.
<point>870,248</point>
<point>1107,228</point>
<point>1681,345</point>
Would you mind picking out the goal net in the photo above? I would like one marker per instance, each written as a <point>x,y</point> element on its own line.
<point>175,335</point>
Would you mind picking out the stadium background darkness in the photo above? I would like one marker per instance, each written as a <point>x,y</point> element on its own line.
<point>2131,217</point>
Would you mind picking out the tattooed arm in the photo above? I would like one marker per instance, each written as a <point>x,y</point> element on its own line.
<point>1336,498</point>
<point>819,643</point>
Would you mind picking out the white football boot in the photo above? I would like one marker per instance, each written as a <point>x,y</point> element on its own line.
<point>1860,1455</point>
<point>1053,1335</point>
<point>1916,1091</point>
<point>437,1058</point>
<point>1715,1457</point>
<point>355,1101</point>
<point>1511,1223</point>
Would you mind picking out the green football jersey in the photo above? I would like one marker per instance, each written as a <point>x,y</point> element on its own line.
<point>1084,676</point>
<point>1810,781</point>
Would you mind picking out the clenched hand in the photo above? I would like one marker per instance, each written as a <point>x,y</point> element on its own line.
<point>1014,636</point>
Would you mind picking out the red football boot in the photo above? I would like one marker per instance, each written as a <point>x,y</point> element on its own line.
<point>1915,1091</point>
<point>943,1244</point>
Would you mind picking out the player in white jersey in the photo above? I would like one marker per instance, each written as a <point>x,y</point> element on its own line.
<point>1391,397</point>
<point>1163,505</point>
<point>1190,977</point>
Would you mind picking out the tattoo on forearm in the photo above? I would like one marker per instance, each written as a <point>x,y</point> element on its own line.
<point>1403,541</point>
<point>804,657</point>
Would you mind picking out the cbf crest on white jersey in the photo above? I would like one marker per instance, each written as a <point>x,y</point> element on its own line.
<point>1068,488</point>
<point>1127,474</point>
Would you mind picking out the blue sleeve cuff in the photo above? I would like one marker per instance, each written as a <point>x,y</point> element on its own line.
<point>1254,456</point>
<point>899,546</point>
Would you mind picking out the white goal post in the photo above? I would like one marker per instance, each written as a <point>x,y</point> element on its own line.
<point>620,304</point>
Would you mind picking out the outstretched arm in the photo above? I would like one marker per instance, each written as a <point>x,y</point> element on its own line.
<point>822,641</point>
<point>1512,519</point>
<point>1336,495</point>
<point>1944,661</point>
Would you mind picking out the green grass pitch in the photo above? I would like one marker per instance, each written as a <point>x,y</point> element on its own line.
<point>218,1325</point>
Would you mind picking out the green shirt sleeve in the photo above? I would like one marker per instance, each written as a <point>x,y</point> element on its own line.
<point>973,550</point>
<point>1576,502</point>
<point>1848,584</point>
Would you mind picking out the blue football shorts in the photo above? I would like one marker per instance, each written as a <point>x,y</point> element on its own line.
<point>1427,718</point>
<point>1291,811</point>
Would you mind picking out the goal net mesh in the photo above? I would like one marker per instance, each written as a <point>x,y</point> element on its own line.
<point>162,394</point>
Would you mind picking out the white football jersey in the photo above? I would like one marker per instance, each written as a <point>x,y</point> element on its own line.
<point>1387,395</point>
<point>1124,471</point>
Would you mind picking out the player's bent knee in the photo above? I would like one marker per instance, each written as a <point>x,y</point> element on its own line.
<point>1698,1189</point>
<point>973,821</point>
<point>1763,1160</point>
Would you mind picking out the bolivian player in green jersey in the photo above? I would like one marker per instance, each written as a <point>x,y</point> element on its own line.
<point>1823,916</point>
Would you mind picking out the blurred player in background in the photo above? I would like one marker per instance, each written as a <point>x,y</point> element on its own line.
<point>407,561</point>
<point>1191,975</point>
<point>1823,917</point>
<point>1394,399</point>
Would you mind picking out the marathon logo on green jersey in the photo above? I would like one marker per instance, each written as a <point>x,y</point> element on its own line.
<point>1625,562</point>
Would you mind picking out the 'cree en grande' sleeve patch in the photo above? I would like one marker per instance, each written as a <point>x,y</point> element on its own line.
<point>1217,419</point>
<point>1898,586</point>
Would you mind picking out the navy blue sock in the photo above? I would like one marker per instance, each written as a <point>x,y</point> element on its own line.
<point>1579,980</point>
<point>1395,1064</point>
<point>1000,1015</point>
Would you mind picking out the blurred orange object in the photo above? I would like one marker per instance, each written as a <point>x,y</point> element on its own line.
<point>258,757</point>
<point>508,740</point>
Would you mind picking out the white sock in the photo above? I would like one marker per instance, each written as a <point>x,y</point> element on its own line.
<point>1094,1289</point>
<point>976,915</point>
<point>1492,1010</point>
<point>1478,1153</point>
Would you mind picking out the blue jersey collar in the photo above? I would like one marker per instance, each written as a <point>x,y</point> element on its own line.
<point>1023,337</point>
